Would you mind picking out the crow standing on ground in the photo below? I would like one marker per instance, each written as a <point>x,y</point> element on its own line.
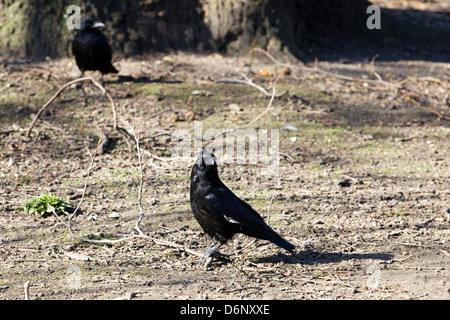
<point>220,213</point>
<point>91,48</point>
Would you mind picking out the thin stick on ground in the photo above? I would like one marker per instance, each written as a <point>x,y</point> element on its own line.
<point>96,83</point>
<point>317,70</point>
<point>438,114</point>
<point>141,183</point>
<point>249,82</point>
<point>270,207</point>
<point>268,108</point>
<point>137,228</point>
<point>72,215</point>
<point>379,80</point>
<point>141,207</point>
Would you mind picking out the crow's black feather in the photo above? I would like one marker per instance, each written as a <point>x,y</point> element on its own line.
<point>91,48</point>
<point>220,213</point>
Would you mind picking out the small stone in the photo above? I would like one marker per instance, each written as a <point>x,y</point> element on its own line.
<point>114,215</point>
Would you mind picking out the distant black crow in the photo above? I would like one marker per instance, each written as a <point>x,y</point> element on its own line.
<point>91,48</point>
<point>220,213</point>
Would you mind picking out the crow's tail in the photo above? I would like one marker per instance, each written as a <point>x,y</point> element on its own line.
<point>282,243</point>
<point>267,233</point>
<point>112,69</point>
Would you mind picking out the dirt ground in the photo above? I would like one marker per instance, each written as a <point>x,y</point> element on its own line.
<point>362,188</point>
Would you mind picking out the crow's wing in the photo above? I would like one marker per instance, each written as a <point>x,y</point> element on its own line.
<point>77,45</point>
<point>222,202</point>
<point>98,45</point>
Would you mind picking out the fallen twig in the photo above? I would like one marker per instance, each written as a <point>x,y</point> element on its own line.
<point>95,82</point>
<point>270,207</point>
<point>379,80</point>
<point>72,215</point>
<point>439,115</point>
<point>318,70</point>
<point>42,71</point>
<point>269,106</point>
<point>240,289</point>
<point>8,131</point>
<point>104,143</point>
<point>249,82</point>
<point>137,228</point>
<point>139,153</point>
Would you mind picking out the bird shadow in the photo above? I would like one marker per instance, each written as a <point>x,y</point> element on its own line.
<point>310,257</point>
<point>128,79</point>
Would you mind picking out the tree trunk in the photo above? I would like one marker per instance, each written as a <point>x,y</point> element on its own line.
<point>36,28</point>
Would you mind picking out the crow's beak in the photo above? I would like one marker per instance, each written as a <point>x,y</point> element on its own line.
<point>209,159</point>
<point>98,25</point>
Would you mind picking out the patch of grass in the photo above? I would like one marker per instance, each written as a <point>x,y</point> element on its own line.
<point>47,204</point>
<point>150,89</point>
<point>218,94</point>
<point>399,213</point>
<point>322,134</point>
<point>120,173</point>
<point>316,167</point>
<point>375,148</point>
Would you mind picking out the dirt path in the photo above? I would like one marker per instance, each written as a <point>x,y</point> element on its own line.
<point>362,188</point>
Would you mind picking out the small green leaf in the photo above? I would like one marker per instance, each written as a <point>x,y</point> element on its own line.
<point>46,204</point>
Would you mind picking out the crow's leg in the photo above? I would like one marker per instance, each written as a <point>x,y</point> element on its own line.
<point>211,249</point>
<point>84,92</point>
<point>101,81</point>
<point>79,85</point>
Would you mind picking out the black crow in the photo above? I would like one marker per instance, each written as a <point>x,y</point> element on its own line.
<point>220,213</point>
<point>91,48</point>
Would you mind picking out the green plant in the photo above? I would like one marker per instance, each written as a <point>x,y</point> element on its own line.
<point>46,204</point>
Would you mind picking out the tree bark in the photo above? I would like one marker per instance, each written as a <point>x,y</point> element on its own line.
<point>36,28</point>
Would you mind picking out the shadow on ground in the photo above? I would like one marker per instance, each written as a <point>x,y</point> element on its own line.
<point>310,257</point>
